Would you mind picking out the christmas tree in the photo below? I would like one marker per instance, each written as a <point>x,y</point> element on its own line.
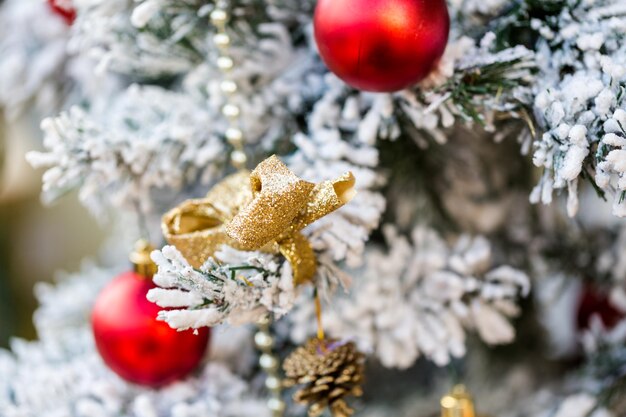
<point>331,207</point>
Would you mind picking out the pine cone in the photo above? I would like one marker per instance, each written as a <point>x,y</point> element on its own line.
<point>329,370</point>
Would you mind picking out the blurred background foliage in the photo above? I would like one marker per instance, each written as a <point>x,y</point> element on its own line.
<point>34,240</point>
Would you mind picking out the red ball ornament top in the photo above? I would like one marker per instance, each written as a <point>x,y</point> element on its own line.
<point>381,45</point>
<point>64,9</point>
<point>133,343</point>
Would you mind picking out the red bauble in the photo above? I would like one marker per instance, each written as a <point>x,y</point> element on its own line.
<point>595,303</point>
<point>134,344</point>
<point>63,8</point>
<point>381,45</point>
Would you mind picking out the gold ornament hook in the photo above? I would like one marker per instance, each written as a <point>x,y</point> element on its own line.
<point>140,258</point>
<point>457,403</point>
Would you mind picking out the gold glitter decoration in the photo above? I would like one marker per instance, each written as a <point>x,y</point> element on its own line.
<point>457,403</point>
<point>279,196</point>
<point>329,371</point>
<point>265,210</point>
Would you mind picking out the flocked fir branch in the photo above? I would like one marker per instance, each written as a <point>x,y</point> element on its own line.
<point>482,80</point>
<point>470,84</point>
<point>579,101</point>
<point>146,39</point>
<point>42,380</point>
<point>33,65</point>
<point>242,288</point>
<point>421,297</point>
<point>153,140</point>
<point>336,143</point>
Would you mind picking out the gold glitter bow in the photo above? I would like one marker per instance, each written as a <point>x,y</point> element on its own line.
<point>260,210</point>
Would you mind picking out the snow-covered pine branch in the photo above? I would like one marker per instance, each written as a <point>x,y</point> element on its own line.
<point>420,298</point>
<point>151,139</point>
<point>579,101</point>
<point>471,84</point>
<point>68,378</point>
<point>276,82</point>
<point>241,288</point>
<point>145,39</point>
<point>333,145</point>
<point>32,47</point>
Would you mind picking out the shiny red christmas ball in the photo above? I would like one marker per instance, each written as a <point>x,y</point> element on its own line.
<point>134,344</point>
<point>595,303</point>
<point>381,45</point>
<point>64,9</point>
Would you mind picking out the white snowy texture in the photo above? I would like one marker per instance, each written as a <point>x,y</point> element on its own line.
<point>65,305</point>
<point>51,378</point>
<point>579,102</point>
<point>33,50</point>
<point>338,141</point>
<point>420,298</point>
<point>433,107</point>
<point>240,289</point>
<point>146,39</point>
<point>152,139</point>
<point>63,375</point>
<point>275,81</point>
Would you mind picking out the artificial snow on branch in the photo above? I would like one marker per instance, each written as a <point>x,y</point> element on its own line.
<point>32,46</point>
<point>241,288</point>
<point>471,83</point>
<point>150,39</point>
<point>64,305</point>
<point>275,79</point>
<point>324,155</point>
<point>421,297</point>
<point>151,140</point>
<point>67,377</point>
<point>579,101</point>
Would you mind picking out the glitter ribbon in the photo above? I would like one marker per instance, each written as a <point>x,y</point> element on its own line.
<point>264,210</point>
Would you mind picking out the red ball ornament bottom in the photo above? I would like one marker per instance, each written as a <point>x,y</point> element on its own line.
<point>134,344</point>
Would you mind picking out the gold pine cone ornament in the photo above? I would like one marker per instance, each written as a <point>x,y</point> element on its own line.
<point>328,371</point>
